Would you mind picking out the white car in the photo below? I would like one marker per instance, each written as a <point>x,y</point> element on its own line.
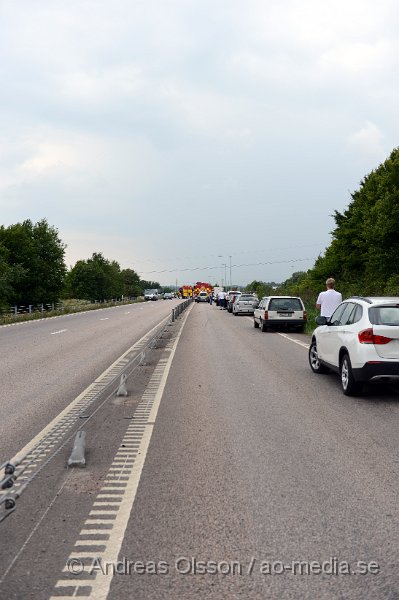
<point>360,341</point>
<point>202,297</point>
<point>151,294</point>
<point>280,311</point>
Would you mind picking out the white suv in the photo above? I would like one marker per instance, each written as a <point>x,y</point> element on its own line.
<point>360,341</point>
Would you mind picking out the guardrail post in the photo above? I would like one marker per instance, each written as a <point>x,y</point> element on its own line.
<point>77,458</point>
<point>122,391</point>
<point>173,315</point>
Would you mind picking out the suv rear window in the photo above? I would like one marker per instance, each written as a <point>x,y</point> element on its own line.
<point>384,315</point>
<point>246,297</point>
<point>285,304</point>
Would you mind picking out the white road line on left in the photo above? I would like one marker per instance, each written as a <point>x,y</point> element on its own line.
<point>141,426</point>
<point>104,319</point>
<point>60,331</point>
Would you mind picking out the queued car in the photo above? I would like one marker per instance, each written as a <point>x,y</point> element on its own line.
<point>245,304</point>
<point>202,297</point>
<point>151,295</point>
<point>168,296</point>
<point>360,341</point>
<point>231,298</point>
<point>280,311</point>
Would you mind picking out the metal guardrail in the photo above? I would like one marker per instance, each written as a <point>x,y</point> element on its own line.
<point>179,308</point>
<point>8,494</point>
<point>17,311</point>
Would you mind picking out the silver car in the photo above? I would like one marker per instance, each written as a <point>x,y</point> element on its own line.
<point>245,304</point>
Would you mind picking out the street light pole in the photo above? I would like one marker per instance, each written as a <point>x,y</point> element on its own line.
<point>231,283</point>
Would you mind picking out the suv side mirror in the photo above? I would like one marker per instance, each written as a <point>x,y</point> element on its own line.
<point>322,320</point>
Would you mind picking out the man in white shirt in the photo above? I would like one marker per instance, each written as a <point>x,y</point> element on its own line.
<point>328,301</point>
<point>222,299</point>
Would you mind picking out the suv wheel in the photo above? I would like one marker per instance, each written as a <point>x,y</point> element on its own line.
<point>263,326</point>
<point>315,364</point>
<point>350,387</point>
<point>256,324</point>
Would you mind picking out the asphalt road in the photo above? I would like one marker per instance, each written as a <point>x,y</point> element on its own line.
<point>254,463</point>
<point>45,364</point>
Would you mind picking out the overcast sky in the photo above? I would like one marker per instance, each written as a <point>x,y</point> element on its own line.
<point>175,134</point>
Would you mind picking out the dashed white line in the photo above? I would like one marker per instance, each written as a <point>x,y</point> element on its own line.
<point>105,319</point>
<point>287,337</point>
<point>294,340</point>
<point>60,331</point>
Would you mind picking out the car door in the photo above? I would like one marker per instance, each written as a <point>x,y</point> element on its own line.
<point>324,333</point>
<point>337,332</point>
<point>259,310</point>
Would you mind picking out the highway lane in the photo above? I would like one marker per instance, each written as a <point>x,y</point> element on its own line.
<point>254,462</point>
<point>45,364</point>
<point>255,457</point>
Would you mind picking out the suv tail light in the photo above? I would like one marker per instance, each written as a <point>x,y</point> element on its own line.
<point>305,315</point>
<point>367,337</point>
<point>266,315</point>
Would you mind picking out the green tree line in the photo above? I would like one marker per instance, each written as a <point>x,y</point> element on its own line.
<point>33,270</point>
<point>363,256</point>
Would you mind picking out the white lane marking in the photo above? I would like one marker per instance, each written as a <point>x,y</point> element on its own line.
<point>60,331</point>
<point>105,319</point>
<point>74,405</point>
<point>75,314</point>
<point>127,313</point>
<point>287,337</point>
<point>99,588</point>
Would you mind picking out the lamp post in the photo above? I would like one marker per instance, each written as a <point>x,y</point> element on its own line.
<point>225,271</point>
<point>231,283</point>
<point>225,276</point>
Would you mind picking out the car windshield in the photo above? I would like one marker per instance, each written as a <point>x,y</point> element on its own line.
<point>384,315</point>
<point>285,304</point>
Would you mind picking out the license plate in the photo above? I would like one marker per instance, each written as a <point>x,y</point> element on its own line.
<point>285,315</point>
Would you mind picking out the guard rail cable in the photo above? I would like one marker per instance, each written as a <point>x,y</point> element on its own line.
<point>15,467</point>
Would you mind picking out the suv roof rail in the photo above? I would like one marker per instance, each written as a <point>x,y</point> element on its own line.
<point>362,298</point>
